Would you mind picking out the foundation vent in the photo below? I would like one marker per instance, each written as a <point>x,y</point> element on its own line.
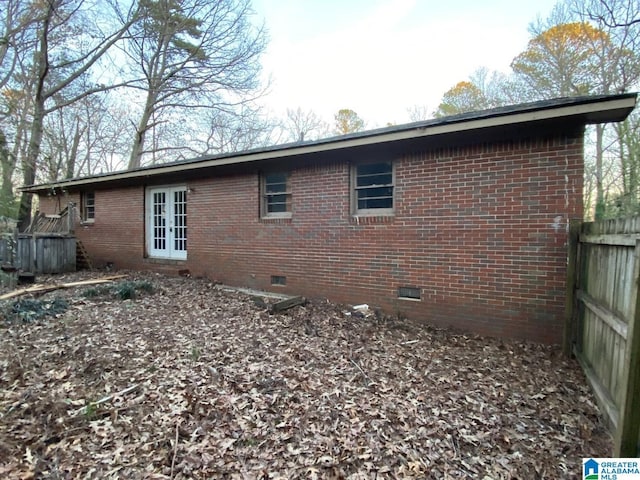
<point>411,293</point>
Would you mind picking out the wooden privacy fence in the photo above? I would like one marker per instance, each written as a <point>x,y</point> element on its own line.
<point>603,326</point>
<point>54,253</point>
<point>46,253</point>
<point>47,245</point>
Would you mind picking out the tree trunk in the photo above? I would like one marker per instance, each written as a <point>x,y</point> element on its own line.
<point>629,153</point>
<point>30,162</point>
<point>70,166</point>
<point>137,149</point>
<point>29,165</point>
<point>600,202</point>
<point>7,161</point>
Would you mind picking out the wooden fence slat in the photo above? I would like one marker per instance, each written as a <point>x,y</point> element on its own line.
<point>626,443</point>
<point>611,372</point>
<point>572,279</point>
<point>616,269</point>
<point>610,318</point>
<point>588,334</point>
<point>616,365</point>
<point>606,402</point>
<point>622,303</point>
<point>611,239</point>
<point>597,352</point>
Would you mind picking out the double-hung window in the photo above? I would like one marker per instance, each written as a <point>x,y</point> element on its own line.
<point>276,195</point>
<point>88,206</point>
<point>373,188</point>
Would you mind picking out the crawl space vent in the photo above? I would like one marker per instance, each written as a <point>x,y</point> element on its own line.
<point>412,293</point>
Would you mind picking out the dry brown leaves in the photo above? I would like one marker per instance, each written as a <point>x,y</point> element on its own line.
<point>224,389</point>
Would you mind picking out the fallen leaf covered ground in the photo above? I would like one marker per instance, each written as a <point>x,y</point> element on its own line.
<point>189,381</point>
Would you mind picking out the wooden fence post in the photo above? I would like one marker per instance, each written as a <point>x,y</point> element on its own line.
<point>34,248</point>
<point>71,210</point>
<point>14,248</point>
<point>570,296</point>
<point>626,442</point>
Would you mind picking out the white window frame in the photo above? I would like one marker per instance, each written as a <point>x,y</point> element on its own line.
<point>86,207</point>
<point>264,196</point>
<point>163,240</point>
<point>354,191</point>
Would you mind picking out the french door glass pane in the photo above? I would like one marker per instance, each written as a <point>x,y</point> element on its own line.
<point>159,221</point>
<point>180,220</point>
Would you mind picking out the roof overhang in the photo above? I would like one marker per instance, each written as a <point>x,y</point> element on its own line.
<point>568,111</point>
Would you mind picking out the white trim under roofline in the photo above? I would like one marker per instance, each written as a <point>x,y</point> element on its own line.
<point>420,131</point>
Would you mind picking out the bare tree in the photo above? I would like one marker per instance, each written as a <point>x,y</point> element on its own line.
<point>16,17</point>
<point>627,201</point>
<point>498,88</point>
<point>484,89</point>
<point>215,132</point>
<point>418,113</point>
<point>84,138</point>
<point>300,125</point>
<point>15,126</point>
<point>241,131</point>
<point>68,40</point>
<point>569,56</point>
<point>612,13</point>
<point>616,57</point>
<point>6,196</point>
<point>194,55</point>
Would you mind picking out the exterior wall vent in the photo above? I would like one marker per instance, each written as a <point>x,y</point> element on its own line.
<point>411,293</point>
<point>278,280</point>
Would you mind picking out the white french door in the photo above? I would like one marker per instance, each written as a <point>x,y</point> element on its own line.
<point>167,222</point>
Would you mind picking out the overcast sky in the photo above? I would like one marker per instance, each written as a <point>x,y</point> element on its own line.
<point>380,57</point>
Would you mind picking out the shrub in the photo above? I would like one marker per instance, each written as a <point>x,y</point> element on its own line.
<point>144,285</point>
<point>125,290</point>
<point>96,291</point>
<point>30,310</point>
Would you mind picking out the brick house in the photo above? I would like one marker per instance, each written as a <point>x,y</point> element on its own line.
<point>460,221</point>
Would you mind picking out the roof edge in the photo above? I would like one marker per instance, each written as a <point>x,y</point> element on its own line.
<point>592,109</point>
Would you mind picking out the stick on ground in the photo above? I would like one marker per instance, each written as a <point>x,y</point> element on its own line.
<point>361,371</point>
<point>175,450</point>
<point>48,288</point>
<point>107,398</point>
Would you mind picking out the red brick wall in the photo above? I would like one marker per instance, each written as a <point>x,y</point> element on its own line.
<point>117,233</point>
<point>481,231</point>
